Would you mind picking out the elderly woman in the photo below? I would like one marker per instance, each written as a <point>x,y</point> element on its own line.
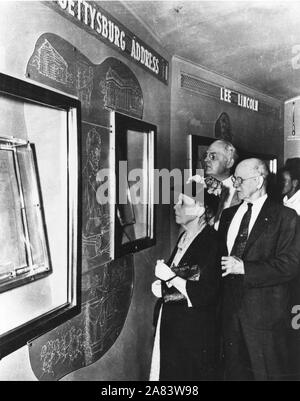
<point>186,345</point>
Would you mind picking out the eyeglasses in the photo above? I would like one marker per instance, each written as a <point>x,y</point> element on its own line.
<point>238,180</point>
<point>210,155</point>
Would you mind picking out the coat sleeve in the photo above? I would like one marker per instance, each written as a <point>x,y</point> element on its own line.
<point>205,292</point>
<point>284,264</point>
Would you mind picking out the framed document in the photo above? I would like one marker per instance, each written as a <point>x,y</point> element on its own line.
<point>40,260</point>
<point>23,234</point>
<point>134,227</point>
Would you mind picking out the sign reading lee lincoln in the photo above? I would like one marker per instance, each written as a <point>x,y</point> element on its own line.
<point>99,23</point>
<point>229,96</point>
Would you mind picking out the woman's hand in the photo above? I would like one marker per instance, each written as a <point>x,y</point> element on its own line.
<point>156,288</point>
<point>162,271</point>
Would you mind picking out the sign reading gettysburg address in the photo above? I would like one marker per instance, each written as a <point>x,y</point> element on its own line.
<point>98,22</point>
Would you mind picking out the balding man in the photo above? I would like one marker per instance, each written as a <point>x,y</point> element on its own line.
<point>261,257</point>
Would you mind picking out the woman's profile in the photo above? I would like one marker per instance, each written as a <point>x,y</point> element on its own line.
<point>186,345</point>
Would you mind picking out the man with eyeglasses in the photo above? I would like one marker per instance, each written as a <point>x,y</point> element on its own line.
<point>261,256</point>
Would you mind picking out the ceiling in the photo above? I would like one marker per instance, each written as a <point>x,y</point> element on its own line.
<point>253,42</point>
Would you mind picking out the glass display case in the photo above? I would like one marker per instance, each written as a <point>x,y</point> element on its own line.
<point>40,260</point>
<point>134,166</point>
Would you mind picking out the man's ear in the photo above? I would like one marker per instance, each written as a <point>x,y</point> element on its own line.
<point>229,163</point>
<point>260,181</point>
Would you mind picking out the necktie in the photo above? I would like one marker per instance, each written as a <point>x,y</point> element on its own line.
<point>242,236</point>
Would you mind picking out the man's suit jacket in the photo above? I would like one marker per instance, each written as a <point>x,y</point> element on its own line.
<point>271,259</point>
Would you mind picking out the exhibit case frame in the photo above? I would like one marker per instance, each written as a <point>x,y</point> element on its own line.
<point>135,163</point>
<point>40,212</point>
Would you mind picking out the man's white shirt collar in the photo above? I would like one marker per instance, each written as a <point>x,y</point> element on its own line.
<point>293,202</point>
<point>257,203</point>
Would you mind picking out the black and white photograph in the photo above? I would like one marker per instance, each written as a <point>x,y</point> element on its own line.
<point>149,193</point>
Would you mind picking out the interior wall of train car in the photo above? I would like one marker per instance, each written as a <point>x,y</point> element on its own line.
<point>21,25</point>
<point>190,103</point>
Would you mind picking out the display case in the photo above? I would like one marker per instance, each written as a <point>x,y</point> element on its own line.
<point>39,211</point>
<point>134,227</point>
